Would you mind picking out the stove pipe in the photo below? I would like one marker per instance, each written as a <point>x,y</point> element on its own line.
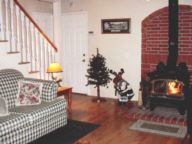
<point>173,35</point>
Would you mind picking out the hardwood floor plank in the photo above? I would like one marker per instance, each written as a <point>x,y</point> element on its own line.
<point>113,126</point>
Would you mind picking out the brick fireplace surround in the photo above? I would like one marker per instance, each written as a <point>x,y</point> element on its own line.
<point>155,39</point>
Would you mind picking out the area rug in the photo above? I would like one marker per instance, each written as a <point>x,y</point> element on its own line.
<point>159,128</point>
<point>167,115</point>
<point>68,134</point>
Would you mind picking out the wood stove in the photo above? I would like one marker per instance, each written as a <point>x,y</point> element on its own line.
<point>170,82</point>
<point>168,91</point>
<point>169,87</point>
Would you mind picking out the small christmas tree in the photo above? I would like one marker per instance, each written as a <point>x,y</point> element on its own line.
<point>98,74</point>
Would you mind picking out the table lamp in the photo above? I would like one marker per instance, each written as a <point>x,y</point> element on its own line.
<point>54,68</point>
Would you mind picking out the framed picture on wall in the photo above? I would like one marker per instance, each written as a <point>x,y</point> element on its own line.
<point>115,26</point>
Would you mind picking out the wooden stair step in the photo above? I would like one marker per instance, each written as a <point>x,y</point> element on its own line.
<point>33,72</point>
<point>23,63</point>
<point>3,40</point>
<point>16,52</point>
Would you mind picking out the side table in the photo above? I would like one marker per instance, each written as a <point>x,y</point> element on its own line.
<point>68,92</point>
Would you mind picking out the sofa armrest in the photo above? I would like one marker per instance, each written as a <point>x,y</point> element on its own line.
<point>49,89</point>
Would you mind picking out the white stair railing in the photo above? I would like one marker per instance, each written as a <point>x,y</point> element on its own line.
<point>14,27</point>
<point>25,36</point>
<point>3,20</point>
<point>9,6</point>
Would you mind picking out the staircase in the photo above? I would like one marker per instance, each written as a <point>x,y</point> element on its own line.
<point>25,39</point>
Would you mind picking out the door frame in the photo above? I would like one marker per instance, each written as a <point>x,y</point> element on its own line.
<point>86,49</point>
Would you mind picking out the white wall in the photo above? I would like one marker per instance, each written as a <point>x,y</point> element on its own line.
<point>120,50</point>
<point>37,10</point>
<point>10,61</point>
<point>45,22</point>
<point>36,6</point>
<point>57,27</point>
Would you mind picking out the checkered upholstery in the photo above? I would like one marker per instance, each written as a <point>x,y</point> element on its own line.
<point>9,85</point>
<point>30,133</point>
<point>27,123</point>
<point>46,110</point>
<point>13,122</point>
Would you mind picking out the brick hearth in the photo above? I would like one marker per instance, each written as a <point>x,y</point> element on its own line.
<point>155,39</point>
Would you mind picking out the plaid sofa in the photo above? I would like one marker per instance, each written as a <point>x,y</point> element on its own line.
<point>27,123</point>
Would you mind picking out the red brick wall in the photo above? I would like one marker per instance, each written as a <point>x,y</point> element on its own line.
<point>155,38</point>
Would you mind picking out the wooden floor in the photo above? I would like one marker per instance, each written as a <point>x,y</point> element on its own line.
<point>113,126</point>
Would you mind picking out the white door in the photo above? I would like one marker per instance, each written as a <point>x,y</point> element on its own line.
<point>75,50</point>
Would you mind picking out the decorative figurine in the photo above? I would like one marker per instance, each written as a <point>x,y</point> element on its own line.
<point>122,88</point>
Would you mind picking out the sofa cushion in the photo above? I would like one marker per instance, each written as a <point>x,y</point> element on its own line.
<point>49,90</point>
<point>45,110</point>
<point>13,122</point>
<point>9,85</point>
<point>28,93</point>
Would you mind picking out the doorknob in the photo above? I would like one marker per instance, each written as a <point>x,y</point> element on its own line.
<point>83,54</point>
<point>83,60</point>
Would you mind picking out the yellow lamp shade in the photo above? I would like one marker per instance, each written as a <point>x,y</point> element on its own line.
<point>54,67</point>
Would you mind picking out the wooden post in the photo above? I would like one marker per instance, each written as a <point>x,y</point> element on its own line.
<point>98,99</point>
<point>98,91</point>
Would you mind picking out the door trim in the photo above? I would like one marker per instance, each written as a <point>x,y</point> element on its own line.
<point>87,91</point>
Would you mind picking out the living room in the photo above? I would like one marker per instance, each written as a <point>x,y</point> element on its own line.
<point>121,50</point>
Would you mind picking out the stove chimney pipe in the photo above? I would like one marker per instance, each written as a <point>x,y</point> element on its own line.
<point>173,35</point>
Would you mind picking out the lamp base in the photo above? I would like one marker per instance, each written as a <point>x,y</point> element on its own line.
<point>58,82</point>
<point>54,77</point>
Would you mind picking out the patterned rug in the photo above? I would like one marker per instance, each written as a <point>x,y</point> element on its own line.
<point>167,115</point>
<point>159,128</point>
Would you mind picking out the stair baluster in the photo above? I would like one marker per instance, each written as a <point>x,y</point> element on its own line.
<point>43,58</point>
<point>25,38</point>
<point>30,45</point>
<point>9,23</point>
<point>35,48</point>
<point>24,35</point>
<point>1,33</point>
<point>39,50</point>
<point>4,27</point>
<point>17,27</point>
<point>1,21</point>
<point>21,35</point>
<point>14,33</point>
<point>48,60</point>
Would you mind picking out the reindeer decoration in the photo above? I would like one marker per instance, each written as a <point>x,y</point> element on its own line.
<point>122,88</point>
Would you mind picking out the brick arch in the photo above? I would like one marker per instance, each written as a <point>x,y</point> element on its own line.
<point>155,38</point>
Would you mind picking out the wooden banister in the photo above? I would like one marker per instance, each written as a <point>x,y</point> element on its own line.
<point>31,20</point>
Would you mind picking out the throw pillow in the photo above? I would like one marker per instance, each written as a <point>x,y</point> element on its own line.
<point>3,107</point>
<point>28,93</point>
